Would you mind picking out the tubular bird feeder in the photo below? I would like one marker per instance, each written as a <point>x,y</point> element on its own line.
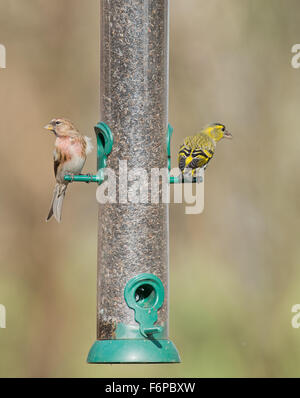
<point>133,239</point>
<point>132,316</point>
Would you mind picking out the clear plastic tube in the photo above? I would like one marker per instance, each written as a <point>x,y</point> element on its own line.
<point>133,238</point>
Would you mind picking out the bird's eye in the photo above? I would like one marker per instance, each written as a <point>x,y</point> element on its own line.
<point>57,122</point>
<point>223,128</point>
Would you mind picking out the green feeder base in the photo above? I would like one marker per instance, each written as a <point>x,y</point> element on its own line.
<point>133,351</point>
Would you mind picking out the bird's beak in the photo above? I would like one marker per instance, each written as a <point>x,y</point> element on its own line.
<point>227,134</point>
<point>49,127</point>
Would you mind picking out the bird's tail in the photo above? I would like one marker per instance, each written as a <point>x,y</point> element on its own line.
<point>57,202</point>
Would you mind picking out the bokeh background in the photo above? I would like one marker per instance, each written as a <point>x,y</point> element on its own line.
<point>234,269</point>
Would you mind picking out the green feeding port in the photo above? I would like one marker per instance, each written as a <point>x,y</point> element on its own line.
<point>145,295</point>
<point>105,143</point>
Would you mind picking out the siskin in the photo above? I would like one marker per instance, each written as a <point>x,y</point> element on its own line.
<point>197,151</point>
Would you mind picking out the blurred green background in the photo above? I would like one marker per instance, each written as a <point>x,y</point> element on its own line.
<point>234,269</point>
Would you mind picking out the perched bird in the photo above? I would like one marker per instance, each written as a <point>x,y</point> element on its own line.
<point>197,151</point>
<point>71,150</point>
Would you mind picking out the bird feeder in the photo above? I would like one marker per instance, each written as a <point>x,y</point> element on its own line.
<point>133,239</point>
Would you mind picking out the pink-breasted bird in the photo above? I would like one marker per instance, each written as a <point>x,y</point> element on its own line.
<point>71,150</point>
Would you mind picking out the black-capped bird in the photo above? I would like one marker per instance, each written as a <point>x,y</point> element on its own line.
<point>197,151</point>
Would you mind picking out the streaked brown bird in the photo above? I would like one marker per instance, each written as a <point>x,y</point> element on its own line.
<point>70,153</point>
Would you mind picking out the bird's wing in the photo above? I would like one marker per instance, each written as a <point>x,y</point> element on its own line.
<point>200,147</point>
<point>203,151</point>
<point>57,160</point>
<point>184,152</point>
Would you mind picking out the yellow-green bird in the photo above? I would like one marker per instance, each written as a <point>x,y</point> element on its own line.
<point>197,151</point>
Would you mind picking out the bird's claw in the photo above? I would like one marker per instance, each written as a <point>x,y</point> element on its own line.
<point>90,176</point>
<point>71,176</point>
